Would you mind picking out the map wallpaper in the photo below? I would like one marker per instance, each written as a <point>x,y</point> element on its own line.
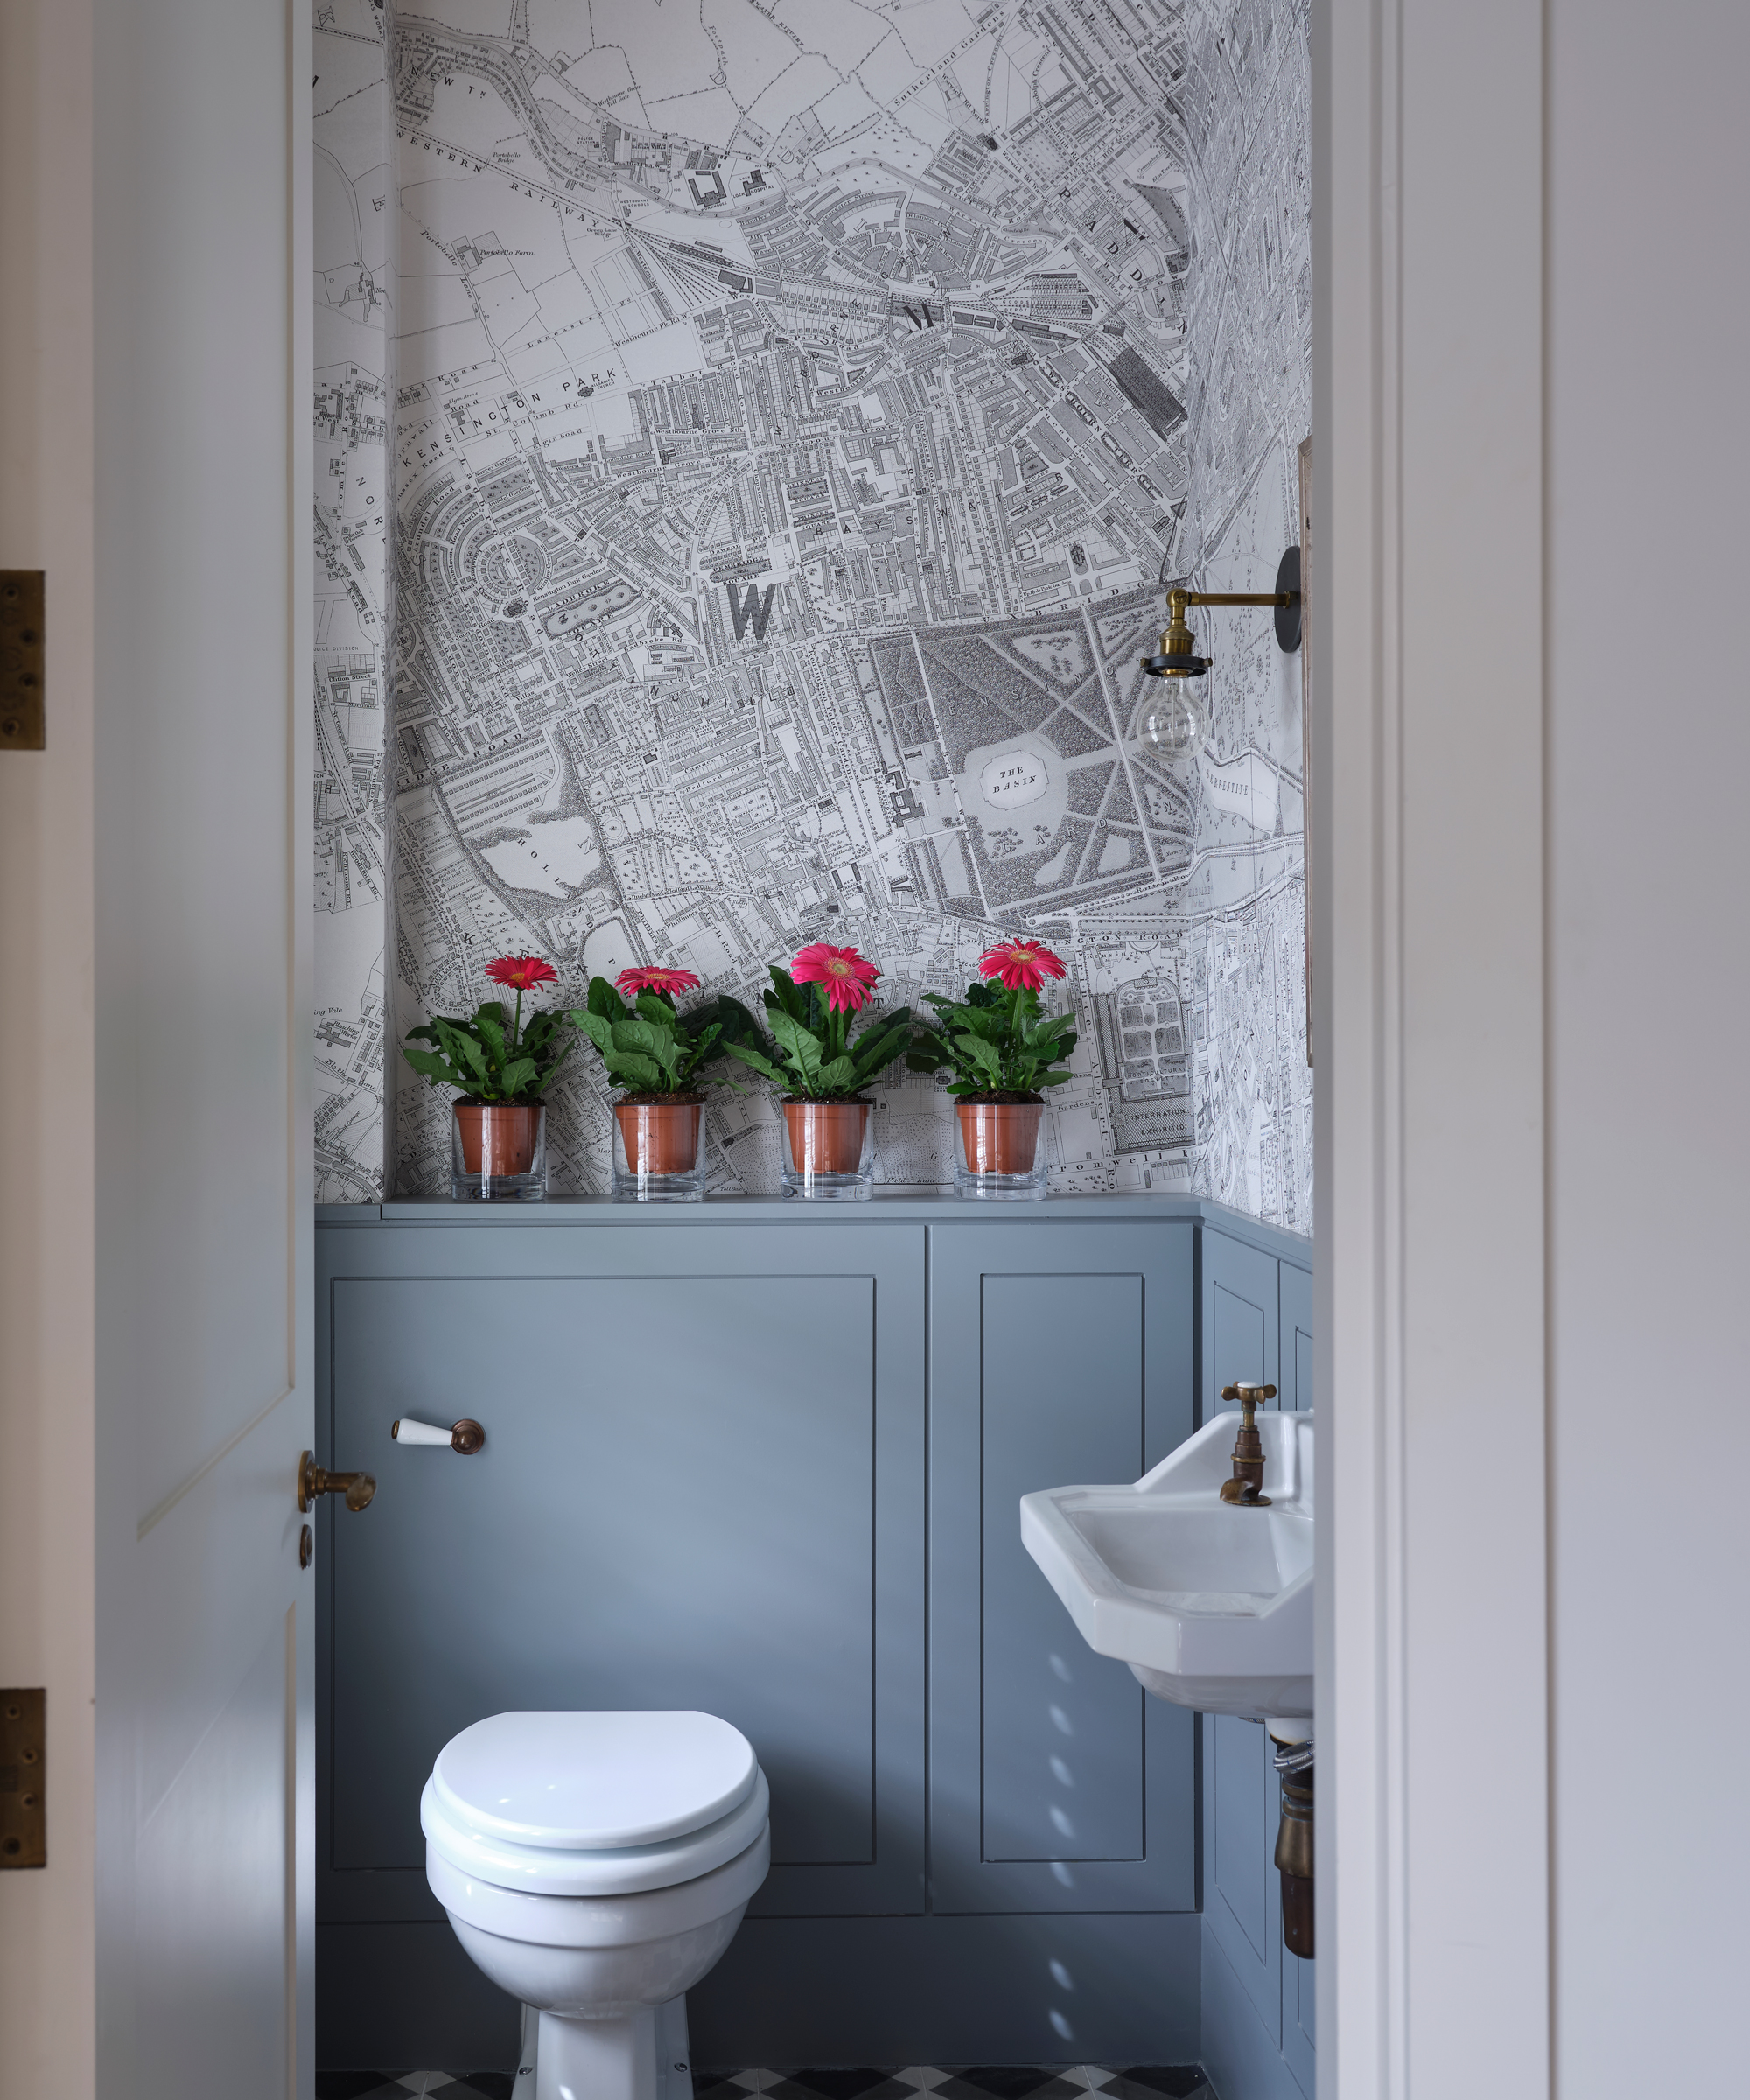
<point>751,437</point>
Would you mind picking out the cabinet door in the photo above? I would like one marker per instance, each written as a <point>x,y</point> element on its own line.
<point>1059,1354</point>
<point>1242,1890</point>
<point>702,1487</point>
<point>1240,1320</point>
<point>1299,2034</point>
<point>1295,1299</point>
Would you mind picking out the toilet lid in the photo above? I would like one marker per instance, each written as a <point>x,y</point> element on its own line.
<point>593,1781</point>
<point>545,1871</point>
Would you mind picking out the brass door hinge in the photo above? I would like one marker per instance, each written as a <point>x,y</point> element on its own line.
<point>21,727</point>
<point>24,1822</point>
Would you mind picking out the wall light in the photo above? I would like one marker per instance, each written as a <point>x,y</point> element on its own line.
<point>1177,724</point>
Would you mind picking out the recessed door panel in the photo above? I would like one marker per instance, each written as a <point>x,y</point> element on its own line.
<point>1239,1322</point>
<point>1296,1301</point>
<point>654,1523</point>
<point>695,1492</point>
<point>1241,1896</point>
<point>1062,1727</point>
<point>1059,1354</point>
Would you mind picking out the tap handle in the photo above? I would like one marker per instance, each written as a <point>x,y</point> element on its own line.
<point>1247,1397</point>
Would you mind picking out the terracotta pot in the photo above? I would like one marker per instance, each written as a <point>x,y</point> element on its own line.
<point>659,1137</point>
<point>498,1139</point>
<point>826,1136</point>
<point>999,1137</point>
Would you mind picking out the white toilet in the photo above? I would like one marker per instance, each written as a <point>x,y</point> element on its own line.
<point>595,1865</point>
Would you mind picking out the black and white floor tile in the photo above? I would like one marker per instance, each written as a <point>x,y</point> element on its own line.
<point>838,2081</point>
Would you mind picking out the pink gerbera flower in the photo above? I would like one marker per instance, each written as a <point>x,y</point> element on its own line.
<point>666,982</point>
<point>848,978</point>
<point>1021,964</point>
<point>522,973</point>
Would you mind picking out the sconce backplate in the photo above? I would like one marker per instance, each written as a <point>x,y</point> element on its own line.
<point>1288,617</point>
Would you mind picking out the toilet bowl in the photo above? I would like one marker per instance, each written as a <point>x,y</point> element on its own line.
<point>595,1865</point>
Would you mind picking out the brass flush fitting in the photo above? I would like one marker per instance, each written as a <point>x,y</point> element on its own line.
<point>1294,1847</point>
<point>1246,1486</point>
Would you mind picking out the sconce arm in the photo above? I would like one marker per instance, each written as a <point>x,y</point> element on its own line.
<point>1178,658</point>
<point>1234,597</point>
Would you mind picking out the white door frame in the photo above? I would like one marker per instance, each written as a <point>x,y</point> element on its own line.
<point>1429,1031</point>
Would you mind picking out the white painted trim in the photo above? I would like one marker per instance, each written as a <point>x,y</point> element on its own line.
<point>1429,1013</point>
<point>47,1378</point>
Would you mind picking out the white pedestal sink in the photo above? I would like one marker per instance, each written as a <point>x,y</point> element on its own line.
<point>1209,1602</point>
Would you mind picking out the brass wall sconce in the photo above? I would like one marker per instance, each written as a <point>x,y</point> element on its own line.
<point>1177,724</point>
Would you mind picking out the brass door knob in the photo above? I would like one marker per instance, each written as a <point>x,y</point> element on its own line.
<point>314,1479</point>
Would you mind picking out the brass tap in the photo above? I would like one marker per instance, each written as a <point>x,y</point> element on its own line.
<point>1248,1480</point>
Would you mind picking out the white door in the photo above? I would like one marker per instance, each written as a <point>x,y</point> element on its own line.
<point>201,770</point>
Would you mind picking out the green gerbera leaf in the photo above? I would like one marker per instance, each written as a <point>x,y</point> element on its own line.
<point>437,1069</point>
<point>802,1047</point>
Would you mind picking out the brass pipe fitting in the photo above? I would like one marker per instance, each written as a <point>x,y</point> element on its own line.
<point>1294,1855</point>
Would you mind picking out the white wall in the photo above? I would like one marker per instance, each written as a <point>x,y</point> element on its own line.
<point>1528,1001</point>
<point>1649,1017</point>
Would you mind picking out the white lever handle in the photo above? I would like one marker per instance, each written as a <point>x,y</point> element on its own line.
<point>464,1436</point>
<point>409,1432</point>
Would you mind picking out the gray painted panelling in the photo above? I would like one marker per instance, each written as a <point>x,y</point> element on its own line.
<point>1300,2030</point>
<point>1257,2017</point>
<point>1240,1321</point>
<point>1295,1298</point>
<point>1034,1990</point>
<point>1238,2052</point>
<point>1064,1356</point>
<point>1061,1348</point>
<point>698,1489</point>
<point>666,1532</point>
<point>1062,1390</point>
<point>605,1214</point>
<point>1240,1898</point>
<point>955,1990</point>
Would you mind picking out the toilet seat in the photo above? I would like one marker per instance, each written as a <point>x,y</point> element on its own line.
<point>542,1919</point>
<point>547,1870</point>
<point>593,1781</point>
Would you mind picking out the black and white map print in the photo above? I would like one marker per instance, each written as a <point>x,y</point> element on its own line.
<point>795,407</point>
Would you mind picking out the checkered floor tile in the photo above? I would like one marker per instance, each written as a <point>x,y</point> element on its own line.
<point>830,2082</point>
<point>427,2085</point>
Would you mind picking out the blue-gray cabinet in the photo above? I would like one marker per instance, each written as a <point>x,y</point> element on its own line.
<point>702,1485</point>
<point>1065,1352</point>
<point>765,1461</point>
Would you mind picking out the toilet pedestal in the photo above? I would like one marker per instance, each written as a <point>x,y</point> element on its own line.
<point>643,2056</point>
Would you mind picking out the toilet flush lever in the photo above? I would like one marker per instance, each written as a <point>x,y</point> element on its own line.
<point>466,1437</point>
<point>314,1479</point>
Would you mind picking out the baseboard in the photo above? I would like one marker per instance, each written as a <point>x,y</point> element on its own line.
<point>1110,1988</point>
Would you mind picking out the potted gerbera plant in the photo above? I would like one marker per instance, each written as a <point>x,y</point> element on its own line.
<point>821,1069</point>
<point>658,1055</point>
<point>501,1068</point>
<point>1001,1050</point>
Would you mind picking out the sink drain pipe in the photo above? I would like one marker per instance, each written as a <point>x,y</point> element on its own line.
<point>1294,1835</point>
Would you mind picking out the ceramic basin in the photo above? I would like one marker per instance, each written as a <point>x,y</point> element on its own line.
<point>1209,1603</point>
